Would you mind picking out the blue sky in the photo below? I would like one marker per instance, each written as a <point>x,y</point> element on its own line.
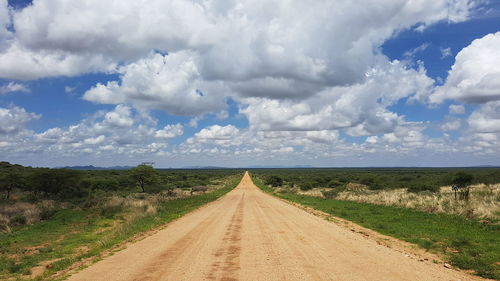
<point>113,83</point>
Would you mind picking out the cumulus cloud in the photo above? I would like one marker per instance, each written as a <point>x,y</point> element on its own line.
<point>14,119</point>
<point>13,87</point>
<point>218,135</point>
<point>486,119</point>
<point>169,82</point>
<point>21,63</point>
<point>294,71</point>
<point>475,76</point>
<point>121,131</point>
<point>360,107</point>
<point>170,131</point>
<point>237,41</point>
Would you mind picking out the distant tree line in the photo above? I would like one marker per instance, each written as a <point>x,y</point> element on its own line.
<point>414,179</point>
<point>66,183</point>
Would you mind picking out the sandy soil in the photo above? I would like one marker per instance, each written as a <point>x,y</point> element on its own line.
<point>250,235</point>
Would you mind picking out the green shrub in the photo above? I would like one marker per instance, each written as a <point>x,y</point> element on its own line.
<point>306,186</point>
<point>18,220</point>
<point>274,181</point>
<point>47,213</point>
<point>415,188</point>
<point>368,180</point>
<point>376,186</point>
<point>335,184</point>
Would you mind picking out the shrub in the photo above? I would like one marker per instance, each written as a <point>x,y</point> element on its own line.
<point>330,194</point>
<point>47,213</point>
<point>415,188</point>
<point>18,220</point>
<point>335,184</point>
<point>368,180</point>
<point>306,186</point>
<point>376,186</point>
<point>274,181</point>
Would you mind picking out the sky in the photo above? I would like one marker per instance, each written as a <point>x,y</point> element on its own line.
<point>250,83</point>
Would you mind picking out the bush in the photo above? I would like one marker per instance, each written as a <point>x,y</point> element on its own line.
<point>335,184</point>
<point>330,194</point>
<point>47,213</point>
<point>274,181</point>
<point>306,186</point>
<point>18,220</point>
<point>367,180</point>
<point>376,186</point>
<point>415,188</point>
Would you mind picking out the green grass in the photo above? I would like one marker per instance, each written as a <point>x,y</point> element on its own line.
<point>477,245</point>
<point>59,238</point>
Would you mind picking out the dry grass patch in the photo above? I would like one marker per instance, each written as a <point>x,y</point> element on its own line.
<point>484,201</point>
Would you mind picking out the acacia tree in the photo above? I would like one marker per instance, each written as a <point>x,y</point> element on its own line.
<point>11,180</point>
<point>143,175</point>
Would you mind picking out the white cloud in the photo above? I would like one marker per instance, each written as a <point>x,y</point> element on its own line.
<point>120,117</point>
<point>277,44</point>
<point>13,87</point>
<point>295,72</point>
<point>445,52</point>
<point>113,133</point>
<point>411,53</point>
<point>452,125</point>
<point>68,89</point>
<point>219,135</point>
<point>475,76</point>
<point>457,109</point>
<point>14,119</point>
<point>5,21</point>
<point>360,107</point>
<point>486,119</point>
<point>169,82</point>
<point>170,131</point>
<point>19,62</point>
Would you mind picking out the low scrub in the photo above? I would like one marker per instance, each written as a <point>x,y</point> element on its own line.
<point>483,203</point>
<point>21,213</point>
<point>484,200</point>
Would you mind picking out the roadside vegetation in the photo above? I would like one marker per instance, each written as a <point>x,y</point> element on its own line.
<point>469,240</point>
<point>430,190</point>
<point>52,218</point>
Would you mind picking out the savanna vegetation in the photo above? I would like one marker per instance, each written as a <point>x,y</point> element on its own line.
<point>415,205</point>
<point>53,218</point>
<point>476,193</point>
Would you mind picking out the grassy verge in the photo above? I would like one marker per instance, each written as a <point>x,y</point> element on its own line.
<point>467,244</point>
<point>72,235</point>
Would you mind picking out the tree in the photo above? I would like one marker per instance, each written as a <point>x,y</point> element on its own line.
<point>62,182</point>
<point>461,181</point>
<point>274,181</point>
<point>144,175</point>
<point>11,180</point>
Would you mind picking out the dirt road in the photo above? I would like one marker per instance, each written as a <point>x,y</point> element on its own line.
<point>250,235</point>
